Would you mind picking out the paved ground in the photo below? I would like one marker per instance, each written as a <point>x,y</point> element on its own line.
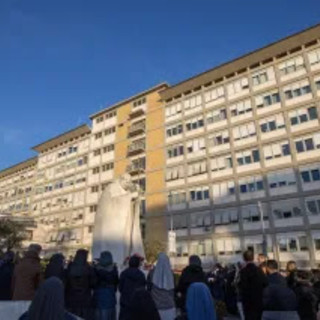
<point>232,318</point>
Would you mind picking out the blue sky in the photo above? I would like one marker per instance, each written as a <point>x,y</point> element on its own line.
<point>62,60</point>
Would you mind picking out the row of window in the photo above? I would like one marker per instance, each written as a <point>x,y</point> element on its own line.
<point>263,100</point>
<point>103,168</point>
<point>268,124</point>
<point>105,149</point>
<point>106,132</point>
<point>108,115</point>
<point>277,181</point>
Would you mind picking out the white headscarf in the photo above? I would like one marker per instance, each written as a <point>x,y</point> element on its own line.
<point>162,275</point>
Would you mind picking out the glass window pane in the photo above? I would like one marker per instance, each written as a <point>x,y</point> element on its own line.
<point>299,146</point>
<point>311,207</point>
<point>305,175</point>
<point>309,144</point>
<point>293,245</point>
<point>313,114</point>
<point>315,175</point>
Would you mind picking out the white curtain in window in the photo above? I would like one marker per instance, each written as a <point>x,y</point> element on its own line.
<point>259,100</point>
<point>267,150</point>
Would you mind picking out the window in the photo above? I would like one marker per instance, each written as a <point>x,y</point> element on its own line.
<point>226,217</point>
<point>99,119</point>
<point>198,194</point>
<point>313,205</point>
<point>310,173</point>
<point>138,164</point>
<point>314,57</point>
<point>111,114</point>
<point>251,184</point>
<point>302,115</point>
<point>263,76</point>
<point>176,197</point>
<point>223,190</point>
<point>241,108</point>
<point>192,102</point>
<point>292,243</point>
<point>244,131</point>
<point>175,151</point>
<point>221,163</point>
<point>179,222</point>
<point>272,123</point>
<point>109,131</point>
<point>216,115</point>
<point>276,150</point>
<point>317,82</point>
<point>194,123</point>
<point>200,219</point>
<point>174,130</point>
<point>228,246</point>
<point>175,173</point>
<point>107,166</point>
<point>308,143</point>
<point>108,148</point>
<point>237,86</point>
<point>98,135</point>
<point>247,157</point>
<point>297,89</point>
<point>195,145</point>
<point>214,94</point>
<point>291,66</point>
<point>219,138</point>
<point>267,99</point>
<point>286,209</point>
<point>173,110</point>
<point>251,213</point>
<point>281,178</point>
<point>96,152</point>
<point>139,102</point>
<point>196,168</point>
<point>94,189</point>
<point>95,170</point>
<point>93,208</point>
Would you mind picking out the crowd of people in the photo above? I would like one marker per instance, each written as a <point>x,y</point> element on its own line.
<point>78,289</point>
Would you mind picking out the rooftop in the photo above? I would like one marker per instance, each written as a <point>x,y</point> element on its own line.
<point>61,138</point>
<point>163,85</point>
<point>245,61</point>
<point>19,166</point>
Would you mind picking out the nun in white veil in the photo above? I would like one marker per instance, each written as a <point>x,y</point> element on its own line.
<point>162,288</point>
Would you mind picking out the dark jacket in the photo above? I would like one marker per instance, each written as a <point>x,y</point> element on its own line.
<point>26,277</point>
<point>130,280</point>
<point>55,267</point>
<point>67,316</point>
<point>277,296</point>
<point>251,285</point>
<point>190,274</point>
<point>6,274</point>
<point>307,301</point>
<point>80,280</point>
<point>106,286</point>
<point>292,279</point>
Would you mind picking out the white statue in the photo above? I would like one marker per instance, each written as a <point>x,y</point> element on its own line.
<point>117,221</point>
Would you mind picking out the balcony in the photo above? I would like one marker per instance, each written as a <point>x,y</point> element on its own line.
<point>135,113</point>
<point>137,128</point>
<point>136,148</point>
<point>137,166</point>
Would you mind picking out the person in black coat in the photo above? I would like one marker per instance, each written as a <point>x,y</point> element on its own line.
<point>6,273</point>
<point>80,280</point>
<point>55,267</point>
<point>291,274</point>
<point>251,284</point>
<point>307,299</point>
<point>131,279</point>
<point>190,274</point>
<point>278,299</point>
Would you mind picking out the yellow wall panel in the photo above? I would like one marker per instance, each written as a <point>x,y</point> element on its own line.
<point>155,181</point>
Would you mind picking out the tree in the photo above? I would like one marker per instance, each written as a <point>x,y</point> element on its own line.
<point>152,249</point>
<point>12,233</point>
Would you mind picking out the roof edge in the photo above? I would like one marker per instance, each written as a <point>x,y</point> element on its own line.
<point>136,96</point>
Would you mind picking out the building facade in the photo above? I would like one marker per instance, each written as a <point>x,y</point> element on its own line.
<point>242,155</point>
<point>222,158</point>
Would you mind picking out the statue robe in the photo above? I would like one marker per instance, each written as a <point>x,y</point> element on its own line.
<point>117,224</point>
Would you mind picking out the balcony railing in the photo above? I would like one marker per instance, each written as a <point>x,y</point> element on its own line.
<point>137,128</point>
<point>137,166</point>
<point>135,113</point>
<point>136,148</point>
